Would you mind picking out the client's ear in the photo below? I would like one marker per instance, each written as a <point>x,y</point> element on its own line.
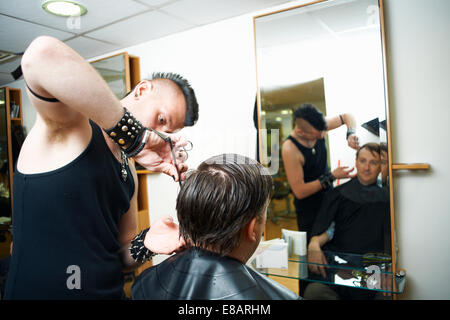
<point>251,231</point>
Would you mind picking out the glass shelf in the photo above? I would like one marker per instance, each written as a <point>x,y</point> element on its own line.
<point>367,272</point>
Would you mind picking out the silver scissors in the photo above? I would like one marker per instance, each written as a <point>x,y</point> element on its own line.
<point>181,150</point>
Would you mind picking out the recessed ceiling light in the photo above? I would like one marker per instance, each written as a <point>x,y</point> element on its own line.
<point>64,8</point>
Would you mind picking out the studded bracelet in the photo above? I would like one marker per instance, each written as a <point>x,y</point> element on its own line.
<point>127,132</point>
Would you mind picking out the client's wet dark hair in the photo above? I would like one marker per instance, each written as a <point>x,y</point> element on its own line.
<point>220,198</point>
<point>373,147</point>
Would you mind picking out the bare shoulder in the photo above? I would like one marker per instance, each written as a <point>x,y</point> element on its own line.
<point>290,152</point>
<point>287,145</point>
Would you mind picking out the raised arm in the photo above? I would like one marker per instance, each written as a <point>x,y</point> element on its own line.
<point>348,120</point>
<point>53,70</point>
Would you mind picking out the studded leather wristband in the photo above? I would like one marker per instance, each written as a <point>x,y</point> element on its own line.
<point>350,132</point>
<point>131,152</point>
<point>137,249</point>
<point>326,180</point>
<point>127,132</point>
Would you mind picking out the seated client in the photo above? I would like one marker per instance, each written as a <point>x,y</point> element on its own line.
<point>221,209</point>
<point>360,211</point>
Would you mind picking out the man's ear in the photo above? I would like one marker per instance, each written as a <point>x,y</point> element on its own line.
<point>143,87</point>
<point>250,230</point>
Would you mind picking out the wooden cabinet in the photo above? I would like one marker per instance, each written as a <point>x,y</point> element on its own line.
<point>10,121</point>
<point>143,218</point>
<point>11,137</point>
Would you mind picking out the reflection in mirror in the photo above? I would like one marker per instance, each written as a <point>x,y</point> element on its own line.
<point>327,54</point>
<point>113,71</point>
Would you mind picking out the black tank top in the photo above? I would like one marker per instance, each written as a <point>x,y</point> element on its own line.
<point>315,162</point>
<point>315,165</point>
<point>65,228</point>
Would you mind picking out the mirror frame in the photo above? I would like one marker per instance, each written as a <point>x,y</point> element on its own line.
<point>132,71</point>
<point>386,99</point>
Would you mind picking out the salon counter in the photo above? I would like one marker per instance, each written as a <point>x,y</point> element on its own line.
<point>366,272</point>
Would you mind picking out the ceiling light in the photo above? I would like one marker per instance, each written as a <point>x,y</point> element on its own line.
<point>64,8</point>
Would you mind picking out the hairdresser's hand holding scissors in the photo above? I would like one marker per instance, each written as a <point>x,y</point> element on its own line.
<point>353,141</point>
<point>165,152</point>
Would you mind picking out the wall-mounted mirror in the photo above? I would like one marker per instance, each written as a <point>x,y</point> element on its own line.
<point>120,71</point>
<point>330,54</point>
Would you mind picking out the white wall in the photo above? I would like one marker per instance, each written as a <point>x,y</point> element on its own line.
<point>418,34</point>
<point>218,60</point>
